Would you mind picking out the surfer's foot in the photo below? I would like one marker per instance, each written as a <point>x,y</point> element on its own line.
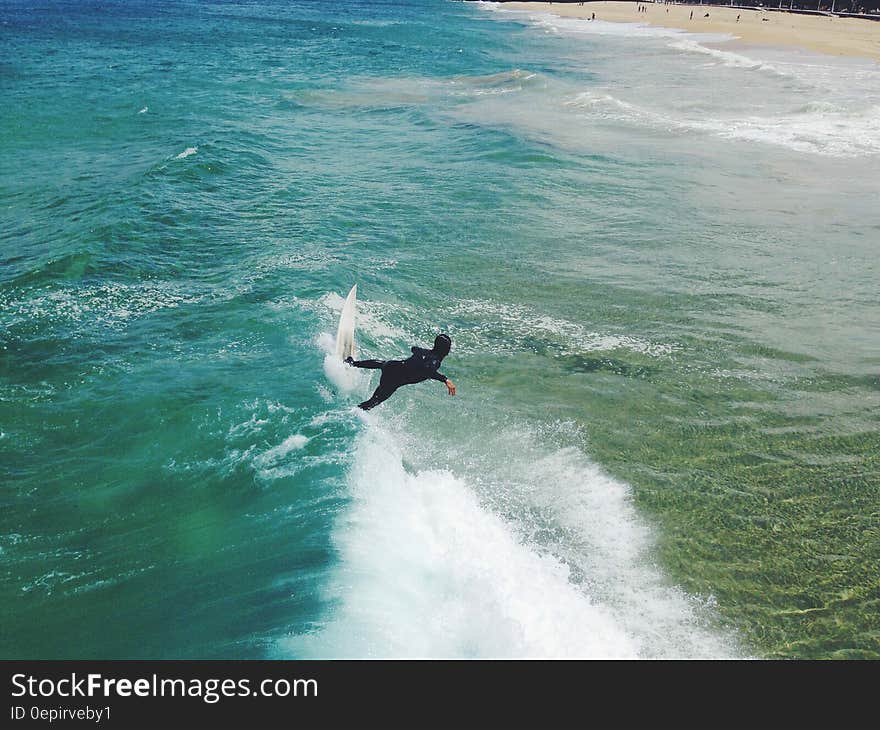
<point>349,360</point>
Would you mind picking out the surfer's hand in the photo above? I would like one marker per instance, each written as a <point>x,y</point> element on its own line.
<point>450,386</point>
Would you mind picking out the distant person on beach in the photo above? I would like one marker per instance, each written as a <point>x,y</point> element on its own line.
<point>737,19</point>
<point>420,366</point>
<point>692,15</point>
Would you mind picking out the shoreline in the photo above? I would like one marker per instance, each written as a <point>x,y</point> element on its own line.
<point>825,34</point>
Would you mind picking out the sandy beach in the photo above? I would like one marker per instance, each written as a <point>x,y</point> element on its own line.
<point>823,34</point>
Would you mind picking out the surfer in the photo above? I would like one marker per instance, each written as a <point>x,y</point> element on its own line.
<point>421,365</point>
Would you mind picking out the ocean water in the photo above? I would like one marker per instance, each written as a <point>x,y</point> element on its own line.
<point>656,254</point>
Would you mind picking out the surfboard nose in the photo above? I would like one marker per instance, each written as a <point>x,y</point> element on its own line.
<point>345,332</point>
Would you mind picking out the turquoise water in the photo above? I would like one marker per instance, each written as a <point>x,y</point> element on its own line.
<point>656,254</point>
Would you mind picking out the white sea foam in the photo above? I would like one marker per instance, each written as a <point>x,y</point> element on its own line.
<point>504,82</point>
<point>600,104</point>
<point>272,456</point>
<point>264,422</point>
<point>248,428</point>
<point>144,110</point>
<point>111,304</point>
<point>518,323</point>
<point>428,570</point>
<point>726,58</point>
<point>817,127</point>
<point>820,128</point>
<point>345,378</point>
<point>187,152</point>
<point>325,393</point>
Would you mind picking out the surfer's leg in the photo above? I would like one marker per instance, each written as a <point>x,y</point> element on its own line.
<point>383,393</point>
<point>368,364</point>
<point>388,383</point>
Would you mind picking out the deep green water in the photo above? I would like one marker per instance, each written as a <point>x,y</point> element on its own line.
<point>657,259</point>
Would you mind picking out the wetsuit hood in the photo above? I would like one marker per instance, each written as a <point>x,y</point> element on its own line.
<point>442,345</point>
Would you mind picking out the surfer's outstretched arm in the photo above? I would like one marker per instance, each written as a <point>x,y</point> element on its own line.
<point>368,364</point>
<point>450,386</point>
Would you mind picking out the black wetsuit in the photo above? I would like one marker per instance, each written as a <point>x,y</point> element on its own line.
<point>420,366</point>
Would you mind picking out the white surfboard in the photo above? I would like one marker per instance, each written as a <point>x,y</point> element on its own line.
<point>345,333</point>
